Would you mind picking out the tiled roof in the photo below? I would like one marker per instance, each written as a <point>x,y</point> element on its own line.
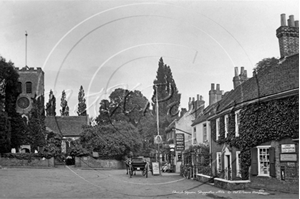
<point>273,80</point>
<point>66,125</point>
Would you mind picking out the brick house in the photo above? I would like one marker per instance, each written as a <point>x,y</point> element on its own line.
<point>256,125</point>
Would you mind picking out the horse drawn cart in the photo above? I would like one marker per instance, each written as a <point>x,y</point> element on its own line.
<point>138,164</point>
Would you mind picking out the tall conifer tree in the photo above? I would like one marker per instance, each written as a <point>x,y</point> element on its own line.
<point>81,111</point>
<point>166,91</point>
<point>51,105</point>
<point>64,105</point>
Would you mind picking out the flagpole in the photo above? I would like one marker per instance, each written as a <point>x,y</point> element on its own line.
<point>26,48</point>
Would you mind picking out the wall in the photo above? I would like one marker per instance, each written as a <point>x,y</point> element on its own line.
<point>34,162</point>
<point>90,163</point>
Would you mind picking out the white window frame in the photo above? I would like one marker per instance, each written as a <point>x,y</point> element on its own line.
<point>237,124</point>
<point>226,125</point>
<point>194,135</point>
<point>217,128</point>
<point>238,168</point>
<point>218,163</point>
<point>258,160</point>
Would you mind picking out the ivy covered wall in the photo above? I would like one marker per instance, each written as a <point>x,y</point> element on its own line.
<point>260,122</point>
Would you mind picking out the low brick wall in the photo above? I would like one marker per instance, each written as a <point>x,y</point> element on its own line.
<point>204,178</point>
<point>34,162</point>
<point>231,184</point>
<point>91,163</point>
<point>273,184</point>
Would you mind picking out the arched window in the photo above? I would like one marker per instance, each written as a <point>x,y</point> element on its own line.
<point>20,87</point>
<point>28,87</point>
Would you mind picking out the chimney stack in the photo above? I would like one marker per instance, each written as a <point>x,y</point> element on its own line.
<point>241,78</point>
<point>215,95</point>
<point>288,36</point>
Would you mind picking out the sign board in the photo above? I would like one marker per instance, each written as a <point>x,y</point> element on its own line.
<point>288,148</point>
<point>95,154</point>
<point>288,157</point>
<point>179,142</point>
<point>158,139</point>
<point>155,168</point>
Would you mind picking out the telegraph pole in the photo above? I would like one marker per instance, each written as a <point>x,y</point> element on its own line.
<point>158,136</point>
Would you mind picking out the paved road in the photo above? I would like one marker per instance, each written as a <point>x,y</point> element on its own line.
<point>70,182</point>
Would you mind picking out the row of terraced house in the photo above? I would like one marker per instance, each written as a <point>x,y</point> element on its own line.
<point>252,131</point>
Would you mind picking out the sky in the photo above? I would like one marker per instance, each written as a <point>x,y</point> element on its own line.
<point>104,45</point>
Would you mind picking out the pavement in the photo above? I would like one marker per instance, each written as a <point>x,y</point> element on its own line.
<point>72,182</point>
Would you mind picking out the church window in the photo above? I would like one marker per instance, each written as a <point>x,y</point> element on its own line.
<point>28,87</point>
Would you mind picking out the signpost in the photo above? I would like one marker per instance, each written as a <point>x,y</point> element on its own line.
<point>155,168</point>
<point>179,142</point>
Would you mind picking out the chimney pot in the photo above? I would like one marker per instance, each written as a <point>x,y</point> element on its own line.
<point>218,87</point>
<point>212,86</point>
<point>198,97</point>
<point>283,20</point>
<point>236,71</point>
<point>297,23</point>
<point>242,70</point>
<point>193,99</point>
<point>245,73</point>
<point>289,22</point>
<point>292,22</point>
<point>201,98</point>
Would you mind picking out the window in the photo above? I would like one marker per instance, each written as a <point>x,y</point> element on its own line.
<point>28,87</point>
<point>237,122</point>
<point>204,133</point>
<point>19,87</point>
<point>219,162</point>
<point>194,136</point>
<point>263,160</point>
<point>238,164</point>
<point>217,128</point>
<point>226,120</point>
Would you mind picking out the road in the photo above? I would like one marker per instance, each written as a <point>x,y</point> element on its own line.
<point>71,182</point>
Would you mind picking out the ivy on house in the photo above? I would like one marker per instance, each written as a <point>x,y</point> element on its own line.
<point>201,158</point>
<point>260,122</point>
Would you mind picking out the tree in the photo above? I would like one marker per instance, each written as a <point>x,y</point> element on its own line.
<point>36,129</point>
<point>165,90</point>
<point>64,105</point>
<point>53,145</point>
<point>51,105</point>
<point>124,105</point>
<point>81,103</point>
<point>265,63</point>
<point>111,140</point>
<point>13,132</point>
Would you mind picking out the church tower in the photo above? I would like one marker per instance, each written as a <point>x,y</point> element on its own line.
<point>30,85</point>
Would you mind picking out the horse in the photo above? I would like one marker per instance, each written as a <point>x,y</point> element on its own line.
<point>127,163</point>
